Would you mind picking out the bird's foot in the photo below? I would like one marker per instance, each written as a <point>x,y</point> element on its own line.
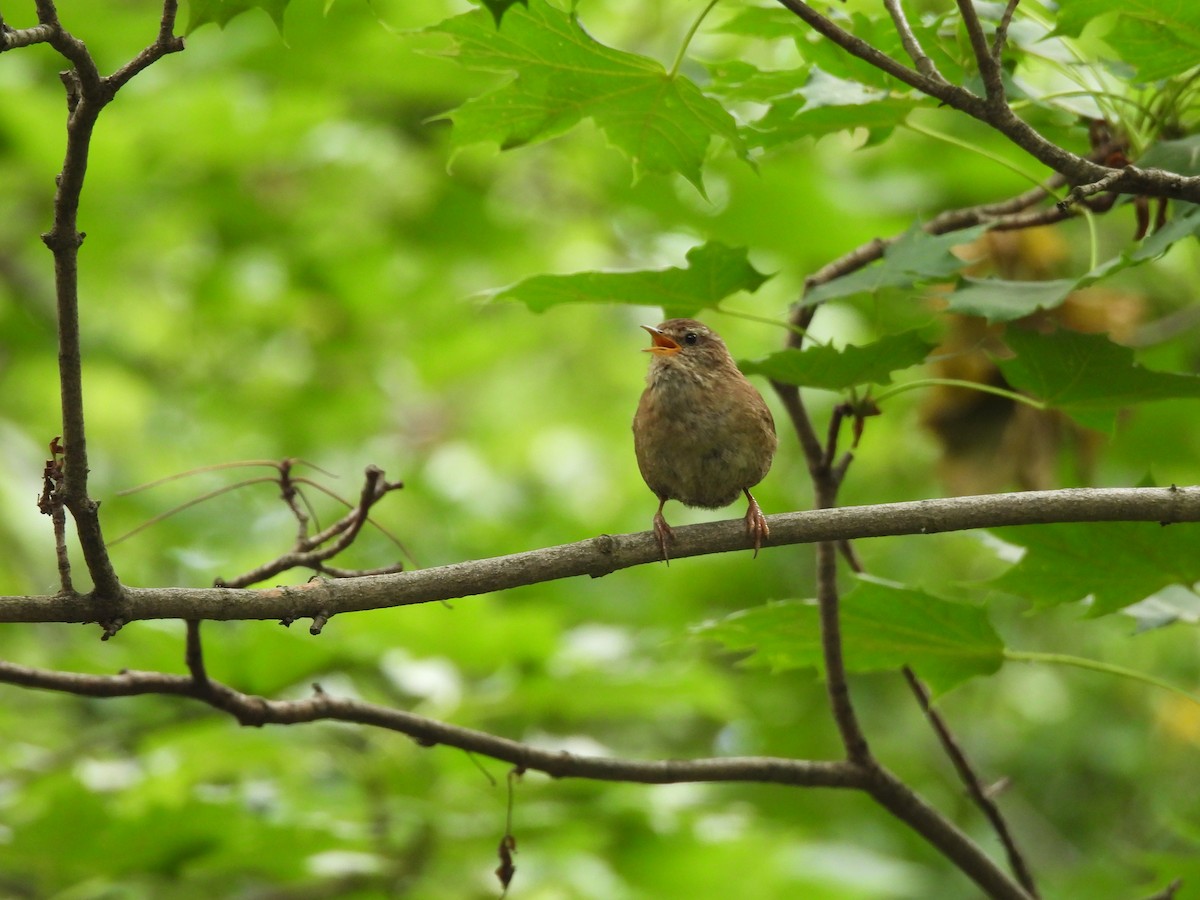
<point>756,523</point>
<point>665,535</point>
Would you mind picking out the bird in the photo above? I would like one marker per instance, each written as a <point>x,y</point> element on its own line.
<point>702,433</point>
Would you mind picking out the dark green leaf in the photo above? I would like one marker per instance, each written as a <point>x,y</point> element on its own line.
<point>1115,563</point>
<point>499,7</point>
<point>1087,375</point>
<point>916,258</point>
<point>835,370</point>
<point>884,627</point>
<point>201,12</point>
<point>998,300</point>
<point>1182,156</point>
<point>713,272</point>
<point>664,122</point>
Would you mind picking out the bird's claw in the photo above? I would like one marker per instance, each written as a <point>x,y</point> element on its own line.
<point>665,535</point>
<point>756,524</point>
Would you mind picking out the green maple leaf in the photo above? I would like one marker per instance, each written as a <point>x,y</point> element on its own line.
<point>1087,375</point>
<point>201,12</point>
<point>835,370</point>
<point>563,76</point>
<point>884,627</point>
<point>1115,563</point>
<point>713,272</point>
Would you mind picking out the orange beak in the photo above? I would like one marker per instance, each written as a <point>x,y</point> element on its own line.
<point>663,345</point>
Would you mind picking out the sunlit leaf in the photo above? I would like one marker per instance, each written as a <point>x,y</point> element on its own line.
<point>713,272</point>
<point>835,370</point>
<point>1087,375</point>
<point>1115,563</point>
<point>662,121</point>
<point>826,104</point>
<point>884,627</point>
<point>1160,38</point>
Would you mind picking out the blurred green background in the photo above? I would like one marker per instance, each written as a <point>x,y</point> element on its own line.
<point>285,257</point>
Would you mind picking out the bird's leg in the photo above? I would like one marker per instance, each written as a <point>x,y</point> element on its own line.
<point>756,522</point>
<point>663,532</point>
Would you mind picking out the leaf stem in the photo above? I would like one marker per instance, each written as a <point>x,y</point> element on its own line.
<point>973,148</point>
<point>687,38</point>
<point>1081,662</point>
<point>958,382</point>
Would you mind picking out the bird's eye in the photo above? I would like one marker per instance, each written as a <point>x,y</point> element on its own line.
<point>691,337</point>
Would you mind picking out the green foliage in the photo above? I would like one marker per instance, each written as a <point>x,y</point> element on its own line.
<point>837,370</point>
<point>915,259</point>
<point>1087,375</point>
<point>1160,39</point>
<point>885,627</point>
<point>222,12</point>
<point>280,261</point>
<point>562,75</point>
<point>713,272</point>
<point>1116,564</point>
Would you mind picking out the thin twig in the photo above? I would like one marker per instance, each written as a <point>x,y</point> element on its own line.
<point>912,46</point>
<point>989,66</point>
<point>1082,191</point>
<point>87,94</point>
<point>313,551</point>
<point>1001,36</point>
<point>975,789</point>
<point>258,711</point>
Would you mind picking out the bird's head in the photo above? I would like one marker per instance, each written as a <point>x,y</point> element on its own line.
<point>688,342</point>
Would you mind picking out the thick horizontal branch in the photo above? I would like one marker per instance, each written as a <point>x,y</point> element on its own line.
<point>257,711</point>
<point>609,553</point>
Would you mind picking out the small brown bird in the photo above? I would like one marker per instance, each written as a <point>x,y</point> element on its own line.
<point>702,433</point>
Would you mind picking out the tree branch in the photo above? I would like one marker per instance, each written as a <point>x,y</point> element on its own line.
<point>996,113</point>
<point>87,94</point>
<point>609,553</point>
<point>258,711</point>
<point>989,65</point>
<point>912,46</point>
<point>966,774</point>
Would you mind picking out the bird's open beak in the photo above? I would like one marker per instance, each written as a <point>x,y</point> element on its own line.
<point>663,345</point>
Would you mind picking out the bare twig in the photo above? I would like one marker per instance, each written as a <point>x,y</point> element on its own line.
<point>912,46</point>
<point>87,94</point>
<point>257,711</point>
<point>1001,36</point>
<point>1083,191</point>
<point>194,656</point>
<point>50,503</point>
<point>313,551</point>
<point>989,65</point>
<point>976,790</point>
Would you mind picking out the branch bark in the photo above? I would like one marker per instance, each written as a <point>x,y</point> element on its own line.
<point>87,94</point>
<point>605,554</point>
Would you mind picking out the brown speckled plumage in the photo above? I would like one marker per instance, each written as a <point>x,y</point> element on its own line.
<point>702,433</point>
